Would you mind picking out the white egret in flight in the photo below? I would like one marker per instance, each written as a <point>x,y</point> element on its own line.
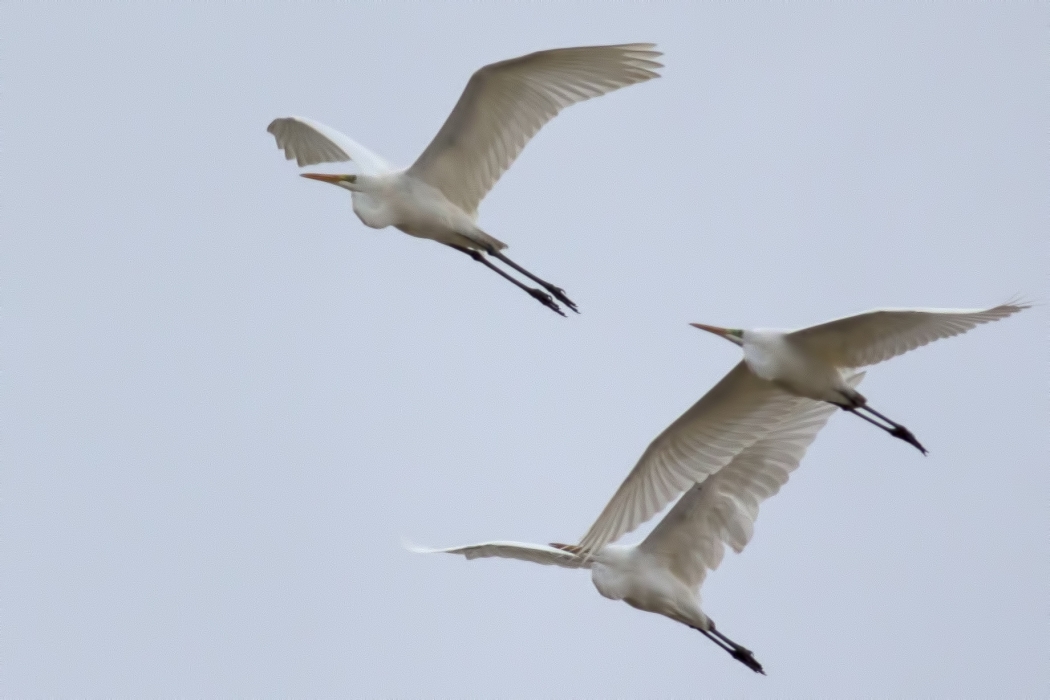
<point>502,107</point>
<point>733,449</point>
<point>663,573</point>
<point>814,362</point>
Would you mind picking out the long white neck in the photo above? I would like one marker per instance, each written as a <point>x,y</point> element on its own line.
<point>771,355</point>
<point>765,352</point>
<point>371,201</point>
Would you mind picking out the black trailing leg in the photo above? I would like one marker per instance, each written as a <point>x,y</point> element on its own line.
<point>558,292</point>
<point>738,652</point>
<point>536,294</point>
<point>893,428</point>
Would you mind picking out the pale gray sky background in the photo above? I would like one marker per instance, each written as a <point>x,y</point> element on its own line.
<point>226,400</point>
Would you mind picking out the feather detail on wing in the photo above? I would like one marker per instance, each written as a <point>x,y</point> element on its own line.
<point>721,511</point>
<point>536,553</point>
<point>506,103</point>
<point>739,410</point>
<point>310,142</point>
<point>875,336</point>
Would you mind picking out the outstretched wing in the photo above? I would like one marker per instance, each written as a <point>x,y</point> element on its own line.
<point>506,103</point>
<point>721,511</point>
<point>876,336</point>
<point>310,142</point>
<point>536,553</point>
<point>738,411</point>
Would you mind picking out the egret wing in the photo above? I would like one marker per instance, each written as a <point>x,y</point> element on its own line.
<point>536,553</point>
<point>311,142</point>
<point>506,103</point>
<point>721,511</point>
<point>738,411</point>
<point>876,336</point>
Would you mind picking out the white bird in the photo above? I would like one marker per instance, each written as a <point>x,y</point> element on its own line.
<point>814,362</point>
<point>778,369</point>
<point>502,107</point>
<point>733,448</point>
<point>664,572</point>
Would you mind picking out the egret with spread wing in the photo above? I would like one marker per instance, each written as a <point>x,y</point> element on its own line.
<point>730,451</point>
<point>815,361</point>
<point>502,107</point>
<point>664,572</point>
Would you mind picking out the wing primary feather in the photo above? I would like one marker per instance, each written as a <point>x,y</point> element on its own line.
<point>310,142</point>
<point>692,537</point>
<point>733,414</point>
<point>876,336</point>
<point>475,146</point>
<point>535,553</point>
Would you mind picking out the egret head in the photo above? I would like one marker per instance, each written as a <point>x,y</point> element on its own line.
<point>348,182</point>
<point>733,335</point>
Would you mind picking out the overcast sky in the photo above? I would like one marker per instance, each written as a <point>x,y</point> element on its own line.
<point>226,400</point>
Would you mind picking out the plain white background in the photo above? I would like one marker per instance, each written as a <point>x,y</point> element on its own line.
<point>226,400</point>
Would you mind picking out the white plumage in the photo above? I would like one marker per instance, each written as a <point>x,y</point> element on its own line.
<point>815,362</point>
<point>732,450</point>
<point>535,553</point>
<point>691,538</point>
<point>732,416</point>
<point>663,573</point>
<point>502,107</point>
<point>310,142</point>
<point>876,336</point>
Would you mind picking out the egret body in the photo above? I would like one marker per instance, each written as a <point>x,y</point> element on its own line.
<point>663,573</point>
<point>502,107</point>
<point>815,362</point>
<point>730,451</point>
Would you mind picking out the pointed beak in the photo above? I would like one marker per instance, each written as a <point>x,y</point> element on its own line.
<point>330,179</point>
<point>724,332</point>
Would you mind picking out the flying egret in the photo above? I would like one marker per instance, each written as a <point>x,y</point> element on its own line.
<point>778,369</point>
<point>502,107</point>
<point>813,362</point>
<point>664,572</point>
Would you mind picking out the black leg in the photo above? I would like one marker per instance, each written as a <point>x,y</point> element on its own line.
<point>738,652</point>
<point>558,292</point>
<point>898,431</point>
<point>895,429</point>
<point>536,294</point>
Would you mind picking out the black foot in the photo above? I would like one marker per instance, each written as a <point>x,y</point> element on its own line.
<point>546,300</point>
<point>895,429</point>
<point>741,654</point>
<point>899,431</point>
<point>559,294</point>
<point>745,657</point>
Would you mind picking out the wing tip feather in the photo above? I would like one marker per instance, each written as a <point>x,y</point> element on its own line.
<point>411,546</point>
